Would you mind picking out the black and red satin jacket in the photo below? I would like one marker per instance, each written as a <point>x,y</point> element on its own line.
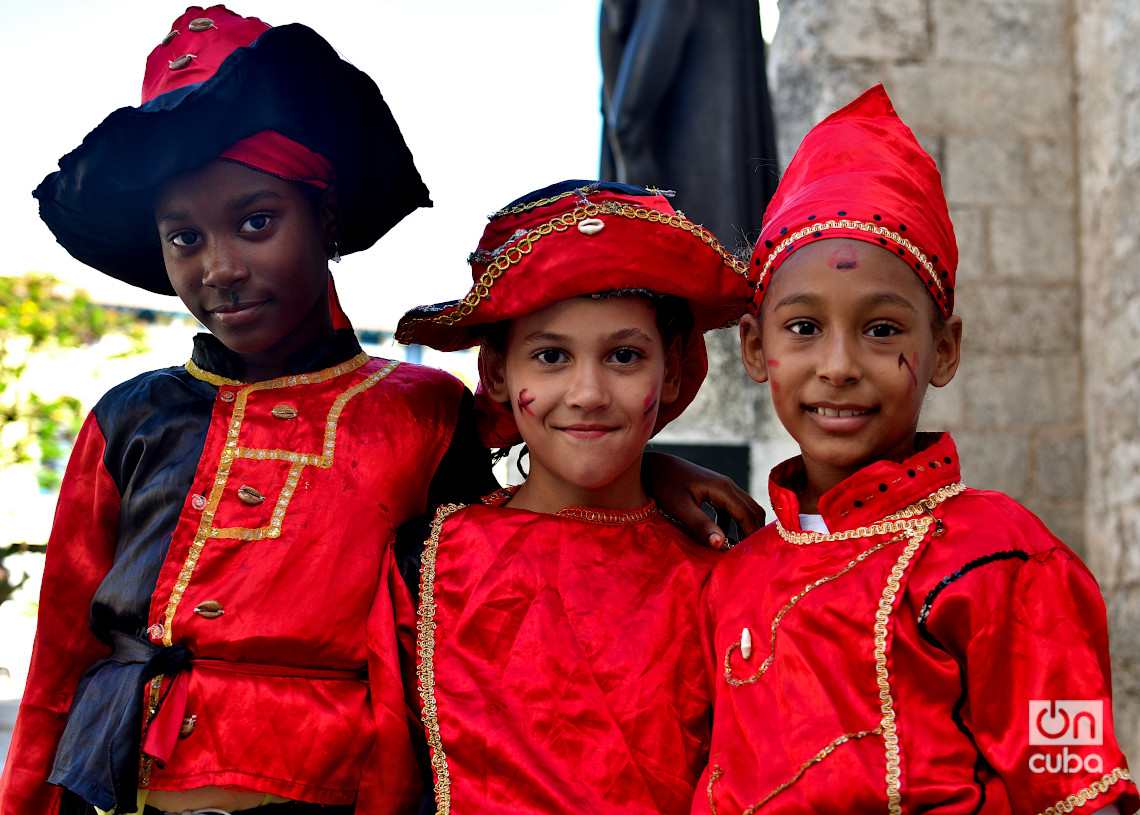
<point>251,524</point>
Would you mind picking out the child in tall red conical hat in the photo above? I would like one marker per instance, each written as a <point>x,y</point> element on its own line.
<point>558,647</point>
<point>913,644</point>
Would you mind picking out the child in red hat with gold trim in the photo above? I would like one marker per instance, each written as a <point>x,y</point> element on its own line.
<point>216,630</point>
<point>557,637</point>
<point>895,641</point>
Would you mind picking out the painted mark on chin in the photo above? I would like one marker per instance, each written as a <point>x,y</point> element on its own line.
<point>845,258</point>
<point>525,401</point>
<point>910,366</point>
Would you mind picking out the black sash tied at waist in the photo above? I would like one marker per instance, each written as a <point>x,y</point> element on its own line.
<point>98,754</point>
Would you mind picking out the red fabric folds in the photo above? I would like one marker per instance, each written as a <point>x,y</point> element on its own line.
<point>560,671</point>
<point>990,613</point>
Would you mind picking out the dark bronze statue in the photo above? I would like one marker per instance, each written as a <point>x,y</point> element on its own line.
<point>685,105</point>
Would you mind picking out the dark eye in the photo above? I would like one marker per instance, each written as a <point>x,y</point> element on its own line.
<point>882,331</point>
<point>255,223</point>
<point>550,356</point>
<point>625,356</point>
<point>804,328</point>
<point>185,238</point>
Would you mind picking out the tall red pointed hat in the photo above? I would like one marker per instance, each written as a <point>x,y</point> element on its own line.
<point>861,174</point>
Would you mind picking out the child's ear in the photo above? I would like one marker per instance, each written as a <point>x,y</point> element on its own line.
<point>492,373</point>
<point>671,381</point>
<point>947,351</point>
<point>751,351</point>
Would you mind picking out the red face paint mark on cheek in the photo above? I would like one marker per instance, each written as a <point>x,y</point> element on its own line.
<point>911,366</point>
<point>772,363</point>
<point>650,401</point>
<point>845,258</point>
<point>525,401</point>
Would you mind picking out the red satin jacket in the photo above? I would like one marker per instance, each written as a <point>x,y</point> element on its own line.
<point>903,661</point>
<point>271,550</point>
<point>559,661</point>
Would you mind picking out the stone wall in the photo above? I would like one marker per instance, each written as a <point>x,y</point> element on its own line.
<point>1108,84</point>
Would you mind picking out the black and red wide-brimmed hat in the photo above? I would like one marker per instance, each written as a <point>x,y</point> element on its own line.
<point>214,79</point>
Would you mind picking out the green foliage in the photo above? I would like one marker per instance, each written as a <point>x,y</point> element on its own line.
<point>38,315</point>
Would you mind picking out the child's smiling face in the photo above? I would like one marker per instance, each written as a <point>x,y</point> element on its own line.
<point>246,253</point>
<point>584,379</point>
<point>848,343</point>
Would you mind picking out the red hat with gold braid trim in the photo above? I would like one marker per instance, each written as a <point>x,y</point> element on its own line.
<point>580,238</point>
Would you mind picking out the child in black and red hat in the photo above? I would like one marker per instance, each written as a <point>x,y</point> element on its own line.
<point>213,582</point>
<point>558,648</point>
<point>215,592</point>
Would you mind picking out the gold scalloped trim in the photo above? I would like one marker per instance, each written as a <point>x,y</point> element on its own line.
<point>425,671</point>
<point>1098,787</point>
<point>527,206</point>
<point>787,607</point>
<point>516,250</point>
<point>231,452</point>
<point>896,522</point>
<point>913,522</point>
<point>717,772</point>
<point>883,679</point>
<point>861,226</point>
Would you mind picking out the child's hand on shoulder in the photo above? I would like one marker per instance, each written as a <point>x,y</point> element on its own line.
<point>681,488</point>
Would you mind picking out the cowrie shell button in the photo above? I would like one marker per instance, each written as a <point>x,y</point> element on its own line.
<point>591,226</point>
<point>202,24</point>
<point>210,609</point>
<point>182,61</point>
<point>249,496</point>
<point>746,643</point>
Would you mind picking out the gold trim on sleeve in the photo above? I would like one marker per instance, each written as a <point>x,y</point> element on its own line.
<point>425,671</point>
<point>1098,787</point>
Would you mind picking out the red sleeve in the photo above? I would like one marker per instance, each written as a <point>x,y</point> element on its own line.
<point>390,781</point>
<point>80,552</point>
<point>1039,661</point>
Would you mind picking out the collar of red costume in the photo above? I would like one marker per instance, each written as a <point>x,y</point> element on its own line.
<point>873,493</point>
